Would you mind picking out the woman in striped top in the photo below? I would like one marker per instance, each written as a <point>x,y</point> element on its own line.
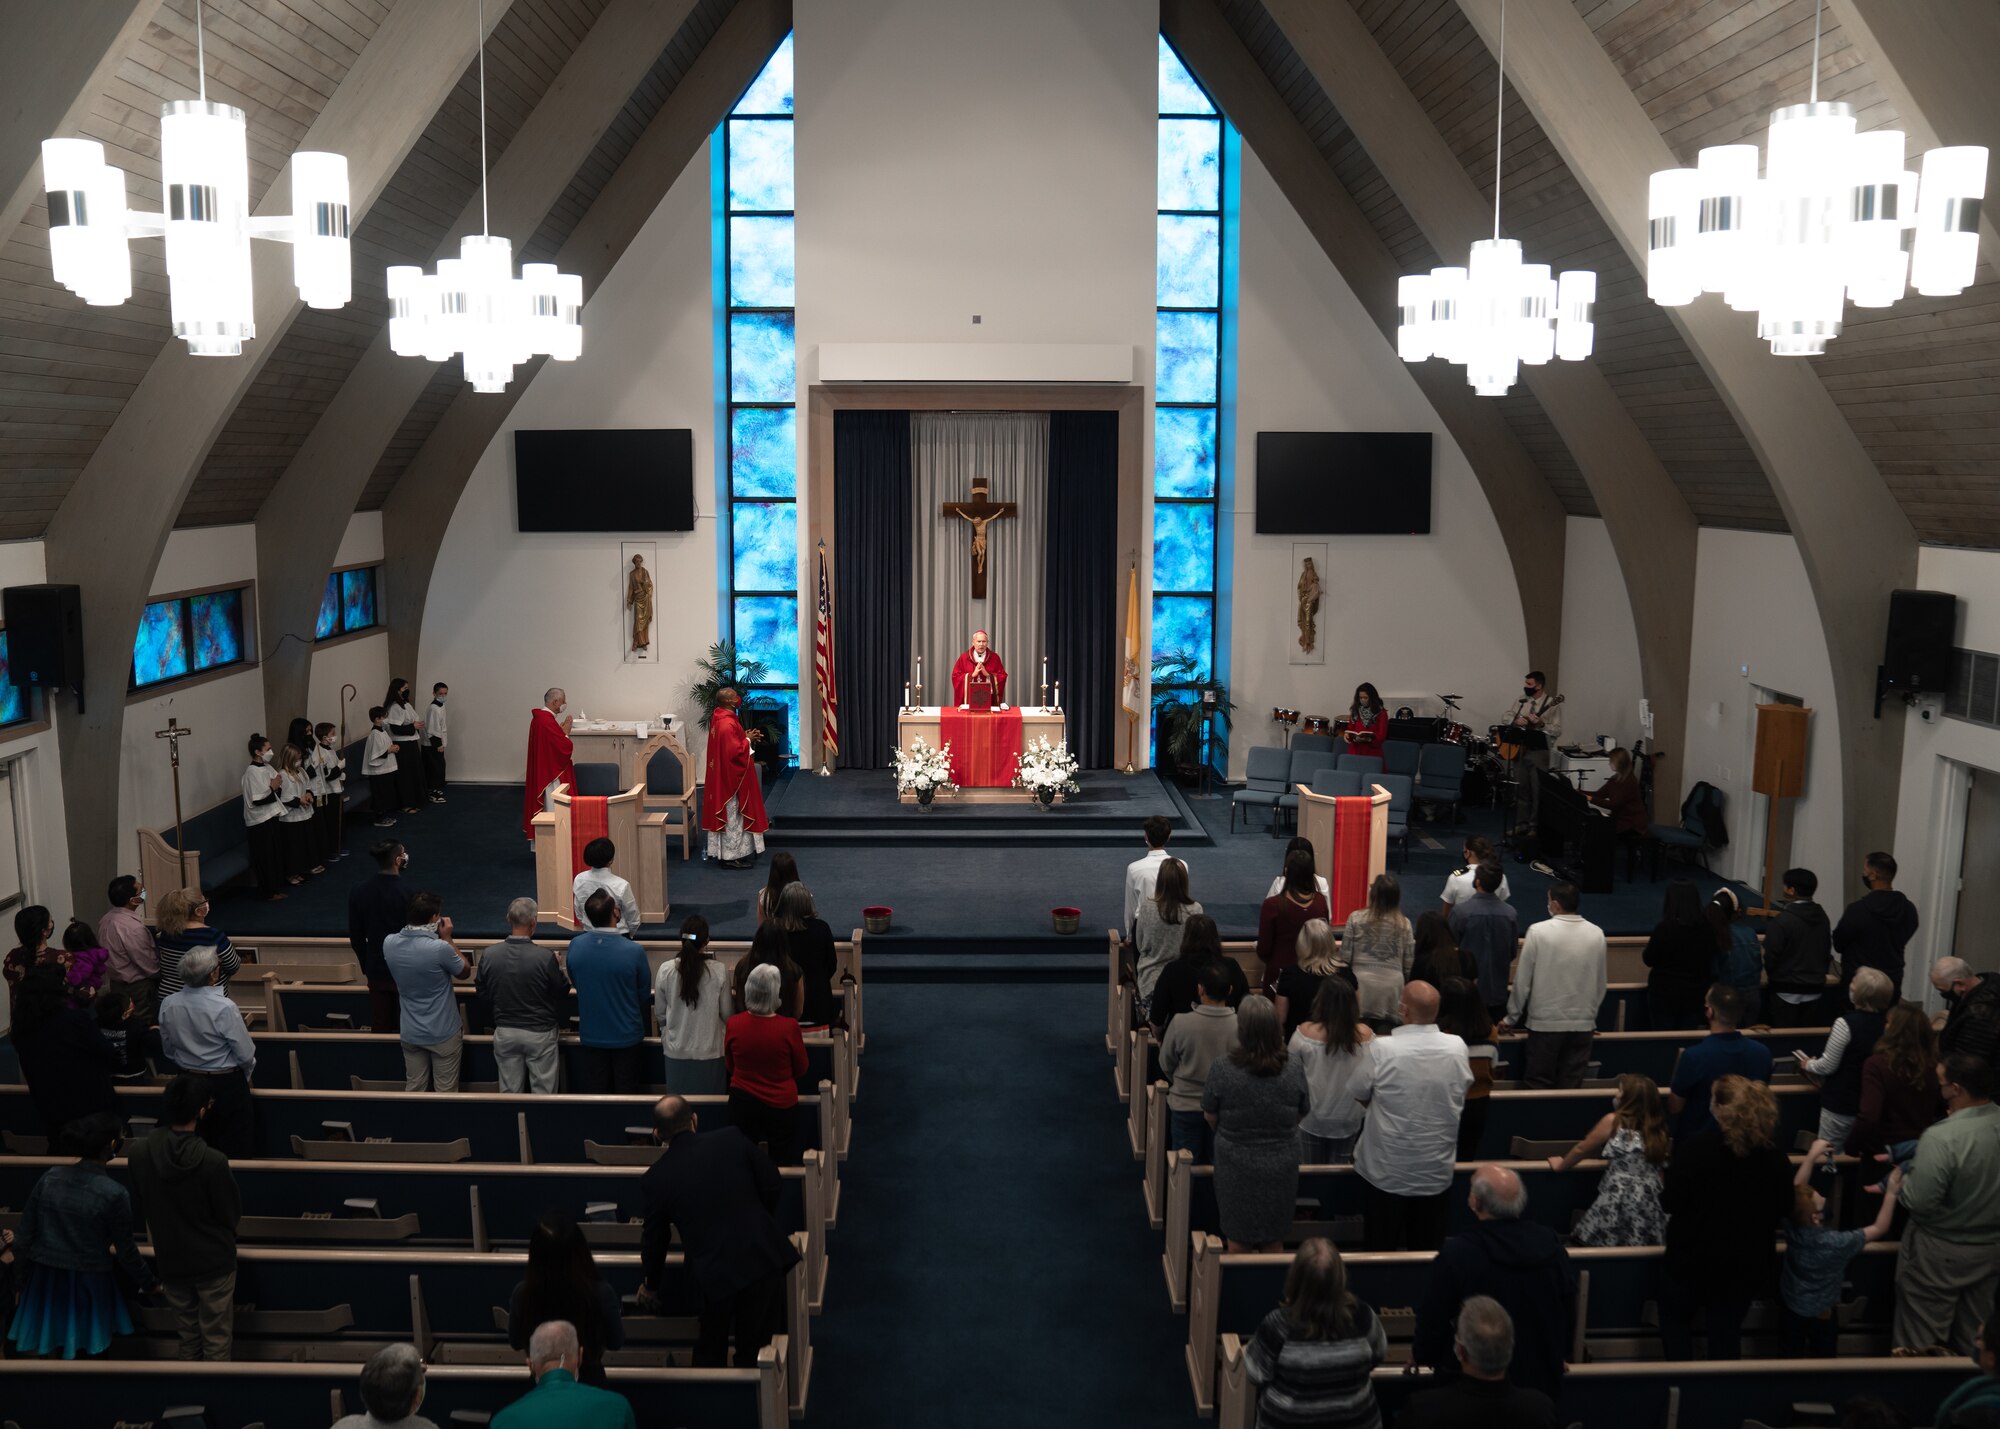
<point>183,927</point>
<point>1312,1355</point>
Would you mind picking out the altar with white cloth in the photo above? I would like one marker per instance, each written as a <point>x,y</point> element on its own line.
<point>984,744</point>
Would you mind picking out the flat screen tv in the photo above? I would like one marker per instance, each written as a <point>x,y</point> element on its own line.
<point>626,479</point>
<point>1343,483</point>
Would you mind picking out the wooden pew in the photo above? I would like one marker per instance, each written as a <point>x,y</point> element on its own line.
<point>451,1304</point>
<point>330,1061</point>
<point>1554,1199</point>
<point>1716,1394</point>
<point>1617,1295</point>
<point>465,1205</point>
<point>293,958</point>
<point>60,1394</point>
<point>496,1126</point>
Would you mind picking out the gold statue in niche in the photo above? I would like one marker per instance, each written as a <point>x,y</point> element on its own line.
<point>639,597</point>
<point>1309,592</point>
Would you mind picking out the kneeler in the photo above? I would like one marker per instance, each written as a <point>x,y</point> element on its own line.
<point>589,818</point>
<point>1353,830</point>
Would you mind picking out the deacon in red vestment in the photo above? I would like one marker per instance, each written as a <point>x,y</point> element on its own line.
<point>551,755</point>
<point>732,798</point>
<point>982,661</point>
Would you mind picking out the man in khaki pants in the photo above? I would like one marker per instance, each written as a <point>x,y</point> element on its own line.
<point>188,1197</point>
<point>1949,1264</point>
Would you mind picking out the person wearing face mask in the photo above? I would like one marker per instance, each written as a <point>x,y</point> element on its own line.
<point>134,966</point>
<point>1540,711</point>
<point>376,908</point>
<point>1367,722</point>
<point>262,806</point>
<point>1876,927</point>
<point>405,730</point>
<point>434,731</point>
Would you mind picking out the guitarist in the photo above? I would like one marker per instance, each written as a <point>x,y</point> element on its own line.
<point>1536,709</point>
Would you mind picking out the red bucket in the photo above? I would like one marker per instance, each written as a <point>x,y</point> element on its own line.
<point>876,920</point>
<point>1067,920</point>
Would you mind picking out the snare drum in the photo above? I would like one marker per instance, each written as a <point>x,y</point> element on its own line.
<point>1319,724</point>
<point>1454,733</point>
<point>1281,715</point>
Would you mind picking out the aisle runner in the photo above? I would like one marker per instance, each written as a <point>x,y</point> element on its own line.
<point>984,744</point>
<point>589,818</point>
<point>1353,819</point>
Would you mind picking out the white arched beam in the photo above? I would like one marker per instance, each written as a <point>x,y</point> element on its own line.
<point>300,524</point>
<point>113,525</point>
<point>420,506</point>
<point>1856,543</point>
<point>1530,518</point>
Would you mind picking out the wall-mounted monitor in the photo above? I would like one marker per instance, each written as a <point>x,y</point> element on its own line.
<point>624,479</point>
<point>1343,483</point>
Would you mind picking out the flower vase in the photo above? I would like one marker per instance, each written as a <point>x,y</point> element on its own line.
<point>1046,797</point>
<point>925,798</point>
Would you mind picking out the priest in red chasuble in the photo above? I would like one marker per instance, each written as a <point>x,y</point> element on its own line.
<point>732,799</point>
<point>977,666</point>
<point>551,756</point>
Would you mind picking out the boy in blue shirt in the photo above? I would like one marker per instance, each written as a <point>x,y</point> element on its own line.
<point>614,987</point>
<point>1817,1257</point>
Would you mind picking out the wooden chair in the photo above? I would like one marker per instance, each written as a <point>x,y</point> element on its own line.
<point>667,771</point>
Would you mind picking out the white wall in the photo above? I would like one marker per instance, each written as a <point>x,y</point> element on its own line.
<point>1756,623</point>
<point>363,663</point>
<point>1599,674</point>
<point>1926,866</point>
<point>510,614</point>
<point>45,841</point>
<point>1414,615</point>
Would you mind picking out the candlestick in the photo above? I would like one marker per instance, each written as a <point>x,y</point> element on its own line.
<point>1058,694</point>
<point>906,694</point>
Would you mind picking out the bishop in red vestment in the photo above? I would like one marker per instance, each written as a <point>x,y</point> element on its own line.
<point>982,662</point>
<point>732,798</point>
<point>551,755</point>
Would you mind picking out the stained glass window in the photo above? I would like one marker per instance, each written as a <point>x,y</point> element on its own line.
<point>14,703</point>
<point>218,628</point>
<point>160,651</point>
<point>1192,238</point>
<point>758,293</point>
<point>329,610</point>
<point>357,598</point>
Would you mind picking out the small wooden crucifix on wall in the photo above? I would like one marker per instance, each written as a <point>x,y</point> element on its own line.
<point>981,511</point>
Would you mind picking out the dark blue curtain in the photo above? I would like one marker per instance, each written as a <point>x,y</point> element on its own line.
<point>872,487</point>
<point>1084,636</point>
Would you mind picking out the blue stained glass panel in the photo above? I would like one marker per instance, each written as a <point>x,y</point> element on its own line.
<point>771,91</point>
<point>13,702</point>
<point>1179,94</point>
<point>1184,546</point>
<point>357,598</point>
<point>1185,623</point>
<point>1184,451</point>
<point>329,610</point>
<point>1188,269</point>
<point>218,628</point>
<point>159,653</point>
<point>1191,164</point>
<point>1186,357</point>
<point>764,451</point>
<point>760,164</point>
<point>766,540</point>
<point>760,263</point>
<point>767,629</point>
<point>789,699</point>
<point>763,366</point>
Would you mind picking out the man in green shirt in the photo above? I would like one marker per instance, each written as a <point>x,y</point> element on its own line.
<point>1949,1265</point>
<point>557,1401</point>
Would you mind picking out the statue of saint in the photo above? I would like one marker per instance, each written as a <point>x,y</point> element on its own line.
<point>1308,606</point>
<point>639,597</point>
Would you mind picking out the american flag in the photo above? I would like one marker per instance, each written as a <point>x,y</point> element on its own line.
<point>829,695</point>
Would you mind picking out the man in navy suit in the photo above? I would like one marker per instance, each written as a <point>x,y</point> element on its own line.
<point>720,1191</point>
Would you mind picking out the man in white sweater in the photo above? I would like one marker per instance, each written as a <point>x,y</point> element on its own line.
<point>1142,876</point>
<point>1558,986</point>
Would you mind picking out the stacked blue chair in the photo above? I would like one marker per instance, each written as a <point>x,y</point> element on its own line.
<point>1337,783</point>
<point>1400,788</point>
<point>1263,784</point>
<point>1302,742</point>
<point>1441,775</point>
<point>1400,756</point>
<point>1368,765</point>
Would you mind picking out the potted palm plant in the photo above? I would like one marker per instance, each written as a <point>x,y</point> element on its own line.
<point>723,666</point>
<point>1181,700</point>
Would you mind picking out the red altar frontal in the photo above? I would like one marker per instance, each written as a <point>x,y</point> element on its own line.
<point>984,744</point>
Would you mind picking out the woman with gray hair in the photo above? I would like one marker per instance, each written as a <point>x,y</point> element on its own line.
<point>392,1389</point>
<point>1255,1099</point>
<point>765,1056</point>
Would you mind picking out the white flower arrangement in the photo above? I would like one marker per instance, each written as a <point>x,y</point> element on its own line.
<point>921,768</point>
<point>1041,765</point>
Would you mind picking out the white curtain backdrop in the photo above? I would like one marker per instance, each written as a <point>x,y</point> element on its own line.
<point>1011,450</point>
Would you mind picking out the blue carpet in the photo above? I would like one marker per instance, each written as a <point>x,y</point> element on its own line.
<point>986,898</point>
<point>993,1265</point>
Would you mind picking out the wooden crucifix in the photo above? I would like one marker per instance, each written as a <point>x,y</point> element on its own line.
<point>981,511</point>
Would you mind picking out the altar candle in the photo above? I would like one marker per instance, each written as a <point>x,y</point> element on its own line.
<point>1058,694</point>
<point>1045,670</point>
<point>906,694</point>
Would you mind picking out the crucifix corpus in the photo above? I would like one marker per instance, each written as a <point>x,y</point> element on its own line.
<point>981,511</point>
<point>173,734</point>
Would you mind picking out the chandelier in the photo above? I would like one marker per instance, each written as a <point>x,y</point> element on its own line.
<point>1836,216</point>
<point>1496,312</point>
<point>475,306</point>
<point>205,181</point>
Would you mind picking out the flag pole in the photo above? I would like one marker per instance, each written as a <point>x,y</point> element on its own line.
<point>1131,694</point>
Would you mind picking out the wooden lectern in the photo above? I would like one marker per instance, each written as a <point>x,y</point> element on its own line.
<point>641,859</point>
<point>1778,771</point>
<point>1316,823</point>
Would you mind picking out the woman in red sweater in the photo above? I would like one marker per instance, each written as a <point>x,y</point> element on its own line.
<point>1367,723</point>
<point>765,1056</point>
<point>1284,913</point>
